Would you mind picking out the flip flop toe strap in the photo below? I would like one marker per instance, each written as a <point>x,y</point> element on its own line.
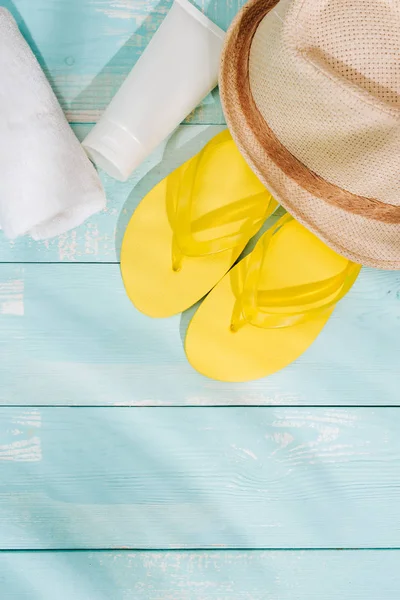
<point>180,197</point>
<point>284,307</point>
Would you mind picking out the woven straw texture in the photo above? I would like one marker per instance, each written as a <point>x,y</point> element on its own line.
<point>359,41</point>
<point>324,80</point>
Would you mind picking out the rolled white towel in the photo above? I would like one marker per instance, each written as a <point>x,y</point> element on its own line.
<point>47,183</point>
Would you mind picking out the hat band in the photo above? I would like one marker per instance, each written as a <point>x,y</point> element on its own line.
<point>240,41</point>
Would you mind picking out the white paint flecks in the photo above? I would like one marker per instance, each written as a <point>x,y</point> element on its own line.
<point>245,451</point>
<point>249,453</point>
<point>118,9</point>
<point>325,444</point>
<point>92,239</point>
<point>28,450</point>
<point>12,297</point>
<point>300,421</point>
<point>283,439</point>
<point>22,443</point>
<point>67,246</point>
<point>28,418</point>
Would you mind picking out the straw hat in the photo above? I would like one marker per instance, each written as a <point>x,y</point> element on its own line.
<point>311,94</point>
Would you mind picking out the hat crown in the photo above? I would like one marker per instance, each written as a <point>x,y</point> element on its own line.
<point>357,40</point>
<point>320,78</point>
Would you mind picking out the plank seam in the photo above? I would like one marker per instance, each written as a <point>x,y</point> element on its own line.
<point>198,550</point>
<point>202,406</point>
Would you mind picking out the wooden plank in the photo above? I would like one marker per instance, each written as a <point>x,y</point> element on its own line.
<point>99,239</point>
<point>88,47</point>
<point>69,335</point>
<point>193,478</point>
<point>226,575</point>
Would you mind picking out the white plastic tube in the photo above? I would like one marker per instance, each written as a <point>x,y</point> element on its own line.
<point>176,71</point>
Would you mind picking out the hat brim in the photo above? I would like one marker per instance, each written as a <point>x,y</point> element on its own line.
<point>360,239</point>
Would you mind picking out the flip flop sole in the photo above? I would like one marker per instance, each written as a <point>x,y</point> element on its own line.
<point>296,257</point>
<point>146,255</point>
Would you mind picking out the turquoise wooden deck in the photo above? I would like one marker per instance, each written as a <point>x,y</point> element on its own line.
<point>126,475</point>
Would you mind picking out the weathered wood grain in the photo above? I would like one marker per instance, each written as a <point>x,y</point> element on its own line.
<point>88,47</point>
<point>215,575</point>
<point>99,239</point>
<point>69,335</point>
<point>139,478</point>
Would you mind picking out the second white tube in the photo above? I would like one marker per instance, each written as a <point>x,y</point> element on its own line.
<point>176,71</point>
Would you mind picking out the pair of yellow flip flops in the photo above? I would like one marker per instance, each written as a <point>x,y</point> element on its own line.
<point>182,241</point>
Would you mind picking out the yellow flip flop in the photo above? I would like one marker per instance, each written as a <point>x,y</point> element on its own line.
<point>191,228</point>
<point>270,307</point>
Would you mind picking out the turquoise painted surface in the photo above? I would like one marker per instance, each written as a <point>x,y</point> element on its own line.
<point>238,477</point>
<point>71,336</point>
<point>200,575</point>
<point>199,478</point>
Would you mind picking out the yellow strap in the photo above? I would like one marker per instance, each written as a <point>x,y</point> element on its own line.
<point>284,307</point>
<point>252,210</point>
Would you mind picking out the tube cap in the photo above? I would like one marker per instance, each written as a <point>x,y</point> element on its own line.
<point>114,149</point>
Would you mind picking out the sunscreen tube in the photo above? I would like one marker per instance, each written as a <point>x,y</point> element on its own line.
<point>176,71</point>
